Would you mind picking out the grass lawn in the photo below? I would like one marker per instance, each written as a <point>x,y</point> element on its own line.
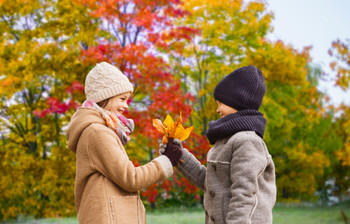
<point>282,214</point>
<point>309,215</point>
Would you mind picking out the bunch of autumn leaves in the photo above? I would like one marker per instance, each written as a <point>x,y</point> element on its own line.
<point>171,129</point>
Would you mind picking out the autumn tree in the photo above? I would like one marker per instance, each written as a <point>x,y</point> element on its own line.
<point>294,109</point>
<point>341,64</point>
<point>138,37</point>
<point>39,59</point>
<point>234,34</point>
<point>228,29</point>
<point>341,163</point>
<point>174,53</point>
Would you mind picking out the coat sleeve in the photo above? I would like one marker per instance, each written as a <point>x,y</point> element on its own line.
<point>110,159</point>
<point>249,160</point>
<point>192,169</point>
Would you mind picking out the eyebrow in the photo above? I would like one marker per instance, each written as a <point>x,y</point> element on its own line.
<point>123,95</point>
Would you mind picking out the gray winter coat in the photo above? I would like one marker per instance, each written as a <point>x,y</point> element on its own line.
<point>239,180</point>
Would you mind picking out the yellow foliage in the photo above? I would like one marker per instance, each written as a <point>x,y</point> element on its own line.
<point>344,155</point>
<point>171,129</point>
<point>40,44</point>
<point>280,62</point>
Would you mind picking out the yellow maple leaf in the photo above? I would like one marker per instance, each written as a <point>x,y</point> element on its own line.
<point>171,129</point>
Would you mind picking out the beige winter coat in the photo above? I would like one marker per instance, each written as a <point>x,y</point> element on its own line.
<point>239,181</point>
<point>107,183</point>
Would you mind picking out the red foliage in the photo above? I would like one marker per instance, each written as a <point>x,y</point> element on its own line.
<point>75,87</point>
<point>144,32</point>
<point>151,193</point>
<point>54,105</point>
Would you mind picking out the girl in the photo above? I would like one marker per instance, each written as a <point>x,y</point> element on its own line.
<point>107,183</point>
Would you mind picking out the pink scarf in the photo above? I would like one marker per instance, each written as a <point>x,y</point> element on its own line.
<point>117,122</point>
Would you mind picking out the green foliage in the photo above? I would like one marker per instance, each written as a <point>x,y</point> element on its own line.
<point>39,58</point>
<point>302,131</point>
<point>47,47</point>
<point>341,65</point>
<point>228,30</point>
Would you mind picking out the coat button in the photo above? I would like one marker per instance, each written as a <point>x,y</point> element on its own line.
<point>214,166</point>
<point>212,218</point>
<point>212,194</point>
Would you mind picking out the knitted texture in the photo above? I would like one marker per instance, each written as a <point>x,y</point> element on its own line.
<point>173,152</point>
<point>244,120</point>
<point>243,89</point>
<point>105,81</point>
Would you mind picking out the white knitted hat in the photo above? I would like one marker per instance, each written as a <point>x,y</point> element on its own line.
<point>105,81</point>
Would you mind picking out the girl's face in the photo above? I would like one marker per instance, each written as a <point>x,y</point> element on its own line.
<point>119,103</point>
<point>224,110</point>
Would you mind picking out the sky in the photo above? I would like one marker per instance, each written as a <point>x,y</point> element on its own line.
<point>315,23</point>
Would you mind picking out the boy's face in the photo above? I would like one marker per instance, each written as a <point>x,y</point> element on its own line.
<point>119,103</point>
<point>224,110</point>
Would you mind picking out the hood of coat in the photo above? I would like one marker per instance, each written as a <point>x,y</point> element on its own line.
<point>81,119</point>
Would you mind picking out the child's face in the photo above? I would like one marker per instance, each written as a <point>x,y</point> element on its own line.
<point>119,103</point>
<point>224,110</point>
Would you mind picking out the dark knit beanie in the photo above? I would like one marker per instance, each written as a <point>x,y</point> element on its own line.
<point>243,89</point>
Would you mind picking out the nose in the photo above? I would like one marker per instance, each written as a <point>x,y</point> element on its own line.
<point>125,105</point>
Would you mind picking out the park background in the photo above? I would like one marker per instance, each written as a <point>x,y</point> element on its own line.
<point>174,53</point>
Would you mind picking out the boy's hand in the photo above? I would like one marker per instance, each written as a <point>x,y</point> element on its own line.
<point>162,146</point>
<point>178,143</point>
<point>172,151</point>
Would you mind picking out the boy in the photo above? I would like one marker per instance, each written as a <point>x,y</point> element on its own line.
<point>239,180</point>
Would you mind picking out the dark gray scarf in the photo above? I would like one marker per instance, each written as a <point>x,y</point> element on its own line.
<point>243,120</point>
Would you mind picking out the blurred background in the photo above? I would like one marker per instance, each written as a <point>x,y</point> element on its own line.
<point>174,52</point>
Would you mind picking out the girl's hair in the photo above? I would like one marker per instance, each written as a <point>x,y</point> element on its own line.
<point>103,103</point>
